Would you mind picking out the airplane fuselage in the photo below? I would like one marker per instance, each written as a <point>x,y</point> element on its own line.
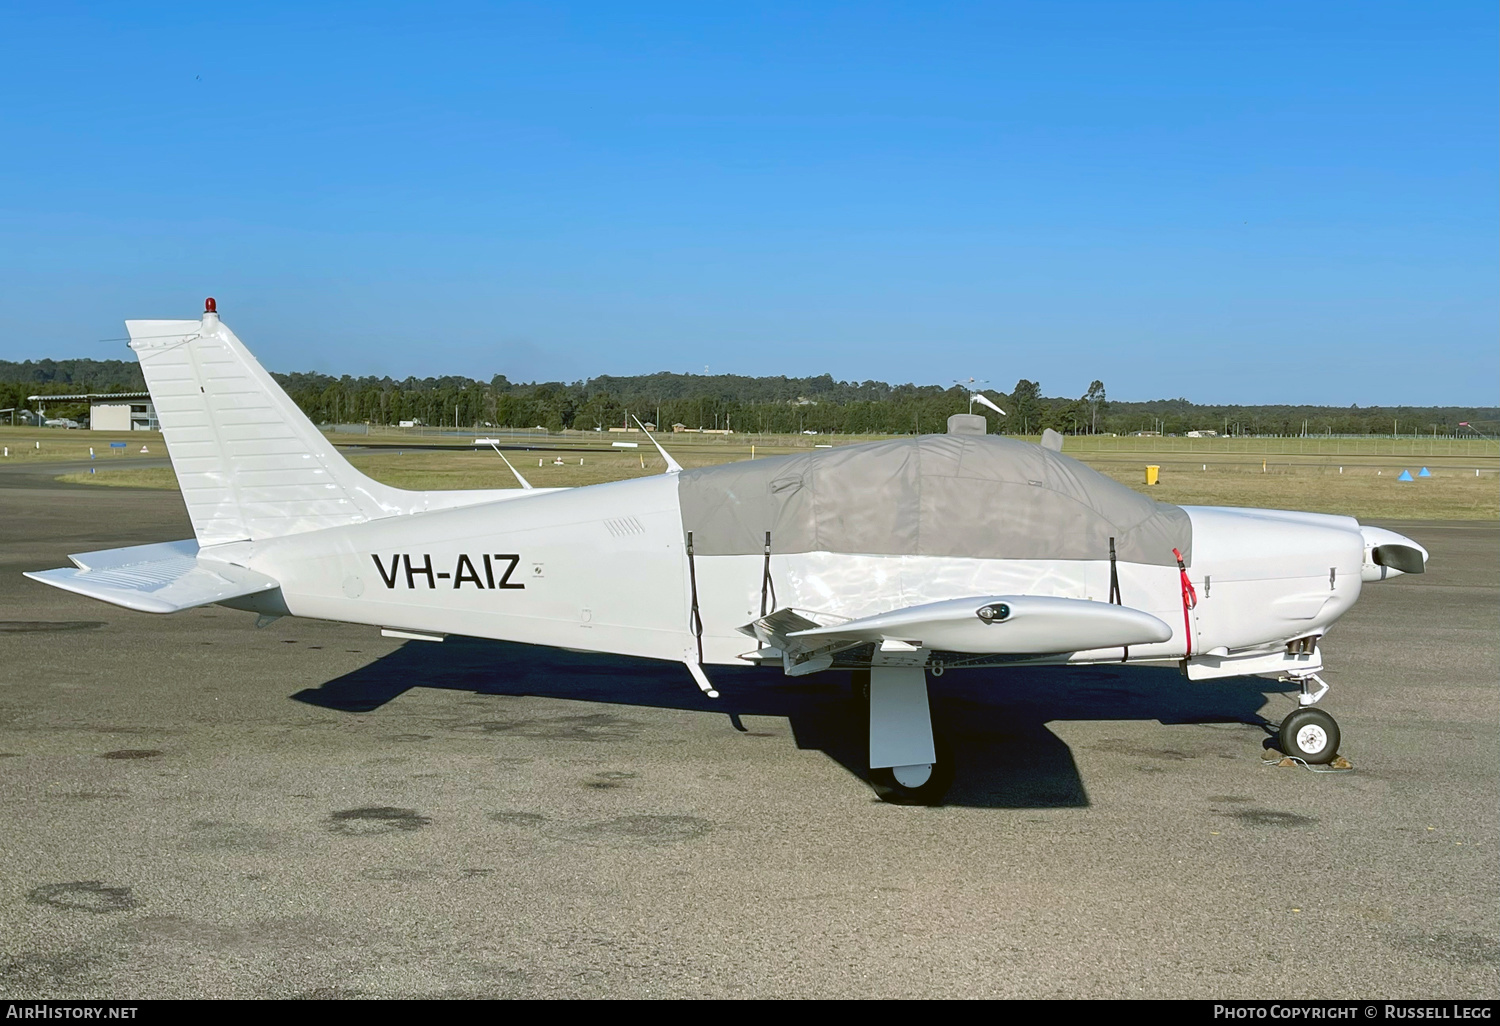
<point>605,568</point>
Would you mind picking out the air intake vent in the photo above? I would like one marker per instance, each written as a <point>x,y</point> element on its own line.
<point>622,526</point>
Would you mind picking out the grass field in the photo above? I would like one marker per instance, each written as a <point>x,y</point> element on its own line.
<point>1367,491</point>
<point>50,444</point>
<point>1405,447</point>
<point>1216,472</point>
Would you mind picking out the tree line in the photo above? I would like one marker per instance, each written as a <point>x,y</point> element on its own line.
<point>768,405</point>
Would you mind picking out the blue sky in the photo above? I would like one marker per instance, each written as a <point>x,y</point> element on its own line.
<point>1234,202</point>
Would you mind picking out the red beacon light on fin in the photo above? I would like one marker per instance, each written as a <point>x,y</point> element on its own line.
<point>209,306</point>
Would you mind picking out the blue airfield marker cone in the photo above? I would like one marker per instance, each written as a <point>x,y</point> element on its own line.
<point>1405,476</point>
<point>1424,472</point>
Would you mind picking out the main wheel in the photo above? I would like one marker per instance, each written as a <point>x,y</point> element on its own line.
<point>915,785</point>
<point>1311,735</point>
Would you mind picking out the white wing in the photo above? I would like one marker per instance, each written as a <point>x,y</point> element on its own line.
<point>1001,624</point>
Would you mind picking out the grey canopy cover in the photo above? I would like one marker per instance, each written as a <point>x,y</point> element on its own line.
<point>934,495</point>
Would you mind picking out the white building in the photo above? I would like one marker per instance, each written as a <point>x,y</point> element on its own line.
<point>118,411</point>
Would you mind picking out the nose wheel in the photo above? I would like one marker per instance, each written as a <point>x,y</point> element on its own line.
<point>1311,735</point>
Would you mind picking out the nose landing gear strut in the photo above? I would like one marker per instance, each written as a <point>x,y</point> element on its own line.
<point>1307,733</point>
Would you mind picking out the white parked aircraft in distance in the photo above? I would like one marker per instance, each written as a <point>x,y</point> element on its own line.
<point>892,559</point>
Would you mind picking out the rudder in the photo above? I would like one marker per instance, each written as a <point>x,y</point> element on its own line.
<point>249,462</point>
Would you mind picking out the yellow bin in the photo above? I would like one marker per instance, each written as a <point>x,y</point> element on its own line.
<point>1152,473</point>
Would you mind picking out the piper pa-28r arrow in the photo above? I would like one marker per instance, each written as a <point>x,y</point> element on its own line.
<point>892,559</point>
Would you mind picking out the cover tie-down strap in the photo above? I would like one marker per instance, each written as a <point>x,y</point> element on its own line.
<point>1114,592</point>
<point>767,586</point>
<point>695,621</point>
<point>1189,600</point>
<point>767,589</point>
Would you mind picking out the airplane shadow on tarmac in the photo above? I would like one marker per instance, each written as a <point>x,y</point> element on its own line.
<point>994,720</point>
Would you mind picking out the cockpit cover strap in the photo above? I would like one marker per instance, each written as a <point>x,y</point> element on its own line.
<point>1189,600</point>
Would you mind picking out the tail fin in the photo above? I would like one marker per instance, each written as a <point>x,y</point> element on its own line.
<point>249,463</point>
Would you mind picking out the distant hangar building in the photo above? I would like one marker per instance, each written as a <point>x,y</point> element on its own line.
<point>116,411</point>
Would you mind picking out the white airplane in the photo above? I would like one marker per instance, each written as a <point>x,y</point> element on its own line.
<point>894,559</point>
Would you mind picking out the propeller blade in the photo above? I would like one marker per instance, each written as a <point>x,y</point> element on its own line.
<point>1399,557</point>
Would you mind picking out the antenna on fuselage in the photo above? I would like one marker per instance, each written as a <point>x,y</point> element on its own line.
<point>984,400</point>
<point>977,396</point>
<point>524,483</point>
<point>673,467</point>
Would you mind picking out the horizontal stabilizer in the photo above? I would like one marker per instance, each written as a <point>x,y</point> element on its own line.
<point>1002,624</point>
<point>161,578</point>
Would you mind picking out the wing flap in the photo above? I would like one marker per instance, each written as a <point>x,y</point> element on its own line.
<point>161,578</point>
<point>1002,624</point>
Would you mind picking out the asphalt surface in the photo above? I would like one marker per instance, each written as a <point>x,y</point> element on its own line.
<point>193,807</point>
